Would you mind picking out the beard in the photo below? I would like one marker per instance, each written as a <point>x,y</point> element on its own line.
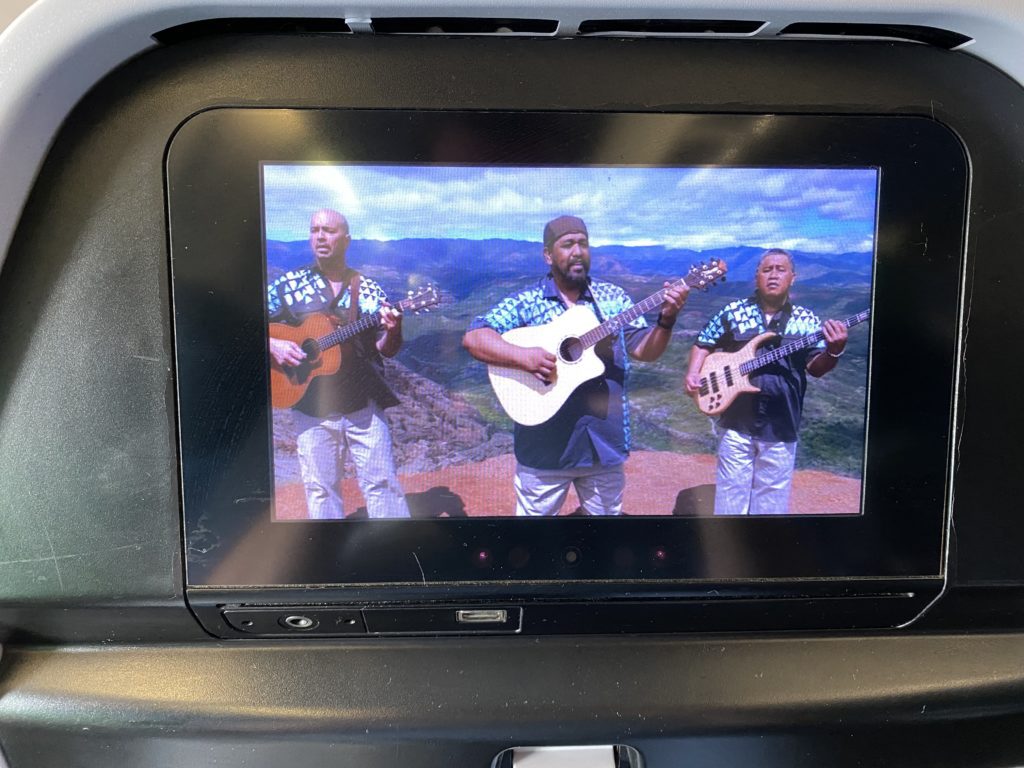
<point>576,279</point>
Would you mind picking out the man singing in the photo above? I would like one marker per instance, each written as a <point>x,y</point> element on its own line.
<point>586,443</point>
<point>757,450</point>
<point>341,414</point>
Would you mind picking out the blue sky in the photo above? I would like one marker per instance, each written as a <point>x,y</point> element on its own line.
<point>816,210</point>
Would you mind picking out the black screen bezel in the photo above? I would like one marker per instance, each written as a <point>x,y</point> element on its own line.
<point>214,206</point>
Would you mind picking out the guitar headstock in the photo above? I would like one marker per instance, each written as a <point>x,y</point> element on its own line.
<point>703,275</point>
<point>420,300</point>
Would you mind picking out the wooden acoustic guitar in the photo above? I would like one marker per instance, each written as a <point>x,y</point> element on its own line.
<point>571,337</point>
<point>724,376</point>
<point>321,339</point>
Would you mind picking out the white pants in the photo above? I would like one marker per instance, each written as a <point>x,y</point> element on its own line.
<point>754,476</point>
<point>323,445</point>
<point>541,492</point>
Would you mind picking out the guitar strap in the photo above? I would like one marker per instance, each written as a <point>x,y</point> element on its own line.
<point>353,297</point>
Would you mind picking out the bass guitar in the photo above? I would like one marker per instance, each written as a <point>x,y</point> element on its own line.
<point>321,339</point>
<point>571,337</point>
<point>724,376</point>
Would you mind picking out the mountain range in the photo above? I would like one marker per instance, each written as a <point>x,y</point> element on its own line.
<point>461,266</point>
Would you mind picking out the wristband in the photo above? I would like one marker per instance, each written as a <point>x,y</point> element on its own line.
<point>836,357</point>
<point>666,324</point>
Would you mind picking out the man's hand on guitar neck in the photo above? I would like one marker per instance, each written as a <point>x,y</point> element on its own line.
<point>391,323</point>
<point>390,318</point>
<point>675,298</point>
<point>286,353</point>
<point>654,343</point>
<point>835,334</point>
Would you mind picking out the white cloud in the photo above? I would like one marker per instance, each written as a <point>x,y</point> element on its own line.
<point>798,244</point>
<point>862,246</point>
<point>697,179</point>
<point>773,185</point>
<point>760,228</point>
<point>820,194</point>
<point>690,207</point>
<point>640,242</point>
<point>702,241</point>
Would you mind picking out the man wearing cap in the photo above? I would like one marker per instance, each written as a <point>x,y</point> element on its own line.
<point>586,443</point>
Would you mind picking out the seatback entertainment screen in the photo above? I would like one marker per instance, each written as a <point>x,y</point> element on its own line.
<point>461,341</point>
<point>428,353</point>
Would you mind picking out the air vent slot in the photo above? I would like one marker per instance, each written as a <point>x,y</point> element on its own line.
<point>255,26</point>
<point>669,27</point>
<point>462,26</point>
<point>940,38</point>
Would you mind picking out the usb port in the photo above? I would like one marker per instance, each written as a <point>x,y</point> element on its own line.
<point>496,616</point>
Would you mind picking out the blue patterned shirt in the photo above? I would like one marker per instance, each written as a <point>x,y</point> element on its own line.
<point>592,428</point>
<point>305,290</point>
<point>774,413</point>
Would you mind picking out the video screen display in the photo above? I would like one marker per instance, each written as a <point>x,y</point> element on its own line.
<point>586,341</point>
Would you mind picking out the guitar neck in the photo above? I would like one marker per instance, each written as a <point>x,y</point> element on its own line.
<point>795,346</point>
<point>366,322</point>
<point>344,333</point>
<point>620,321</point>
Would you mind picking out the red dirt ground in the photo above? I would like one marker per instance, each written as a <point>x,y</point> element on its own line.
<point>653,482</point>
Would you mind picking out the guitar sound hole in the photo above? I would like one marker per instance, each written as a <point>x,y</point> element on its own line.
<point>312,350</point>
<point>570,350</point>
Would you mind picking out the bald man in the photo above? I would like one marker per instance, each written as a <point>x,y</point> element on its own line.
<point>343,414</point>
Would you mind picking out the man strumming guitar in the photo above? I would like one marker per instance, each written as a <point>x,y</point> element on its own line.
<point>757,449</point>
<point>585,444</point>
<point>341,413</point>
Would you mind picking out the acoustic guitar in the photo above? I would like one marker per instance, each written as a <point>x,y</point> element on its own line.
<point>571,337</point>
<point>321,339</point>
<point>724,376</point>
